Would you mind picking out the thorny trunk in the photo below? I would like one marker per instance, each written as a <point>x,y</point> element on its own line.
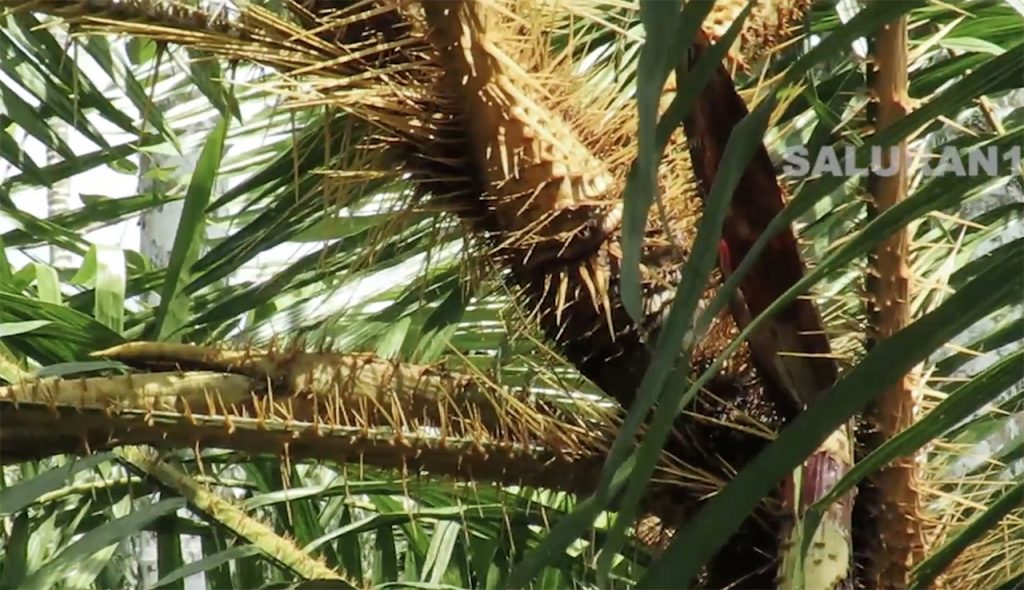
<point>554,209</point>
<point>346,407</point>
<point>891,497</point>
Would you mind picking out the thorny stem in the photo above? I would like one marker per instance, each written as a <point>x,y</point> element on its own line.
<point>900,544</point>
<point>340,407</point>
<point>229,516</point>
<point>222,511</point>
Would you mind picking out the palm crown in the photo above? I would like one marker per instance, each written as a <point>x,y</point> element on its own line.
<point>515,251</point>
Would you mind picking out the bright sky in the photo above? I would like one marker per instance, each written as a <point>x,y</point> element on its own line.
<point>110,183</point>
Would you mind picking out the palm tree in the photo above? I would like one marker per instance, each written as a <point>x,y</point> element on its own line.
<point>567,292</point>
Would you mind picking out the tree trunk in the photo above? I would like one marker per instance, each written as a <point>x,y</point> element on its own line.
<point>554,205</point>
<point>892,496</point>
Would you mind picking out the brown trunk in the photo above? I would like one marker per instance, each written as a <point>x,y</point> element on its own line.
<point>899,544</point>
<point>791,351</point>
<point>554,209</point>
